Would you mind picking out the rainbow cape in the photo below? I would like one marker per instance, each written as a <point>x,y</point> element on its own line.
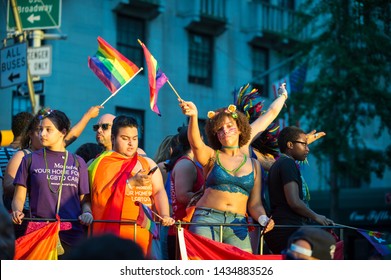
<point>107,176</point>
<point>156,78</point>
<point>111,67</point>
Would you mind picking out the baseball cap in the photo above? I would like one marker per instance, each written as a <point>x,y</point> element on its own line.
<point>322,243</point>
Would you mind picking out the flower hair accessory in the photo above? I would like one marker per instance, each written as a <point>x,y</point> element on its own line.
<point>43,113</point>
<point>211,114</point>
<point>231,109</point>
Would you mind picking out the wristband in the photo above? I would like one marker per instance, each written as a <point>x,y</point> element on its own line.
<point>262,220</point>
<point>298,249</point>
<point>282,92</point>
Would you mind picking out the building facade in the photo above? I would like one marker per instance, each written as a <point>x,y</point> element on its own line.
<point>206,48</point>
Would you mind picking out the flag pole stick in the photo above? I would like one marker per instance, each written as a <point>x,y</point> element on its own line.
<point>168,81</point>
<point>112,95</point>
<point>157,215</point>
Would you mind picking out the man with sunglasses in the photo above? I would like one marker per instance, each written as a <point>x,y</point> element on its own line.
<point>103,131</point>
<point>288,192</point>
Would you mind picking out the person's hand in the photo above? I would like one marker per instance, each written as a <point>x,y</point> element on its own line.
<point>17,217</point>
<point>313,136</point>
<point>282,90</point>
<point>140,179</point>
<point>269,226</point>
<point>93,112</point>
<point>86,218</point>
<point>167,221</point>
<point>323,220</point>
<point>188,108</point>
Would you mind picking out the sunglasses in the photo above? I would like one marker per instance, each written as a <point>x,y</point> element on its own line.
<point>104,126</point>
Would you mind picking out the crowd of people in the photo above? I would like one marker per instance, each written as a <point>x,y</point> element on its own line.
<point>217,180</point>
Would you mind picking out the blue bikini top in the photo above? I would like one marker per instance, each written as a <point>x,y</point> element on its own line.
<point>221,180</point>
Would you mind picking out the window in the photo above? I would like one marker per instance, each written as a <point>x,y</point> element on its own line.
<point>128,31</point>
<point>22,102</point>
<point>260,59</point>
<point>139,116</point>
<point>200,59</point>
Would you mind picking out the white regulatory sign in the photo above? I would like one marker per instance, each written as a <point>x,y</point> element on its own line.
<point>13,65</point>
<point>40,60</point>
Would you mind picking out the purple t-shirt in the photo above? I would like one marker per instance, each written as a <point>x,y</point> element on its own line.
<point>43,198</point>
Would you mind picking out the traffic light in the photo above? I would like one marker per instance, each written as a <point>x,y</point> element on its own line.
<point>6,137</point>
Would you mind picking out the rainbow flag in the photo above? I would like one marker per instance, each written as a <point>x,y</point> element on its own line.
<point>40,244</point>
<point>156,78</point>
<point>111,67</point>
<point>145,220</point>
<point>197,247</point>
<point>381,241</point>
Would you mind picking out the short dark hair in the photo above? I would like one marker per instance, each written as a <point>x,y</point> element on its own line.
<point>288,134</point>
<point>33,124</point>
<point>214,124</point>
<point>122,121</point>
<point>88,151</point>
<point>106,247</point>
<point>19,122</point>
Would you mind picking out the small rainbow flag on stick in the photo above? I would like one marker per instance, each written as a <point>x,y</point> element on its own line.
<point>144,219</point>
<point>156,78</point>
<point>381,241</point>
<point>112,68</point>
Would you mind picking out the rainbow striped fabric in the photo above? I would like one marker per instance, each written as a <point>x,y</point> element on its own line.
<point>111,67</point>
<point>40,244</point>
<point>156,78</point>
<point>144,219</point>
<point>381,241</point>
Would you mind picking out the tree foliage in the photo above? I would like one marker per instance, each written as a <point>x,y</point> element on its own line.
<point>349,96</point>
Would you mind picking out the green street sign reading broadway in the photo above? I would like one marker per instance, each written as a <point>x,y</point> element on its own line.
<point>35,14</point>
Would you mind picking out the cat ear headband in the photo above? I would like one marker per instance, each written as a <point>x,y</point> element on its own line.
<point>230,110</point>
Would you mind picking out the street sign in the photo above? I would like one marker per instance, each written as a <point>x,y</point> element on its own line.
<point>24,90</point>
<point>40,60</point>
<point>13,65</point>
<point>35,14</point>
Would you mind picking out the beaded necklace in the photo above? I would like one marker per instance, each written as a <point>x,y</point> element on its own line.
<point>62,174</point>
<point>234,170</point>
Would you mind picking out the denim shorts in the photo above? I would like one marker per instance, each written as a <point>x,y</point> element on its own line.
<point>235,235</point>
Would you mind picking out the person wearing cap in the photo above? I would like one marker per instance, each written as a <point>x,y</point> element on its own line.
<point>310,243</point>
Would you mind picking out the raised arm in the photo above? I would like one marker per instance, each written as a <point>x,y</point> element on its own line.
<point>78,128</point>
<point>313,136</point>
<point>201,151</point>
<point>264,120</point>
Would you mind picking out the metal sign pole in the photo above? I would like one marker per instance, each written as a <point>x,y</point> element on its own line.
<point>22,38</point>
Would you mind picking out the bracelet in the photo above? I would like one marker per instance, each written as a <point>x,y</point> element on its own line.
<point>262,220</point>
<point>284,94</point>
